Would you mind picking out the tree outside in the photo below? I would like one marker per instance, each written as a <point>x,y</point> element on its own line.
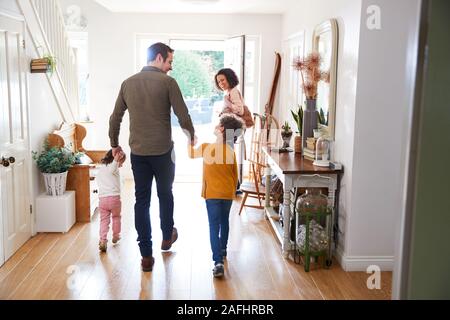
<point>194,71</point>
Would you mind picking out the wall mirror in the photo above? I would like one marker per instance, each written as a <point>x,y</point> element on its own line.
<point>325,41</point>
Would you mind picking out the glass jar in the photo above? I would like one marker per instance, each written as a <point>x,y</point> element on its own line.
<point>312,211</point>
<point>311,201</point>
<point>322,152</point>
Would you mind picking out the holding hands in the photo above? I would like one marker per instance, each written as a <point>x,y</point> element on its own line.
<point>119,155</point>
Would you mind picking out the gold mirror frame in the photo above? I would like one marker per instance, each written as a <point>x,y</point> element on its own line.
<point>329,26</point>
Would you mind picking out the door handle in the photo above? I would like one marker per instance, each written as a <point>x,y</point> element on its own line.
<point>5,162</point>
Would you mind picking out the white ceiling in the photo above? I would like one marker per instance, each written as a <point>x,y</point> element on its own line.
<point>198,6</point>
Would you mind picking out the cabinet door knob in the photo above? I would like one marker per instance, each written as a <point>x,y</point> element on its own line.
<point>12,159</point>
<point>5,162</point>
<point>95,191</point>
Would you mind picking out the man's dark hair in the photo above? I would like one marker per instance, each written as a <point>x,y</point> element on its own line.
<point>231,122</point>
<point>230,75</point>
<point>108,158</point>
<point>158,48</point>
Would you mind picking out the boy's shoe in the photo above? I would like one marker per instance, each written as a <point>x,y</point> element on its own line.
<point>102,245</point>
<point>167,244</point>
<point>147,263</point>
<point>116,238</point>
<point>218,270</point>
<point>239,192</point>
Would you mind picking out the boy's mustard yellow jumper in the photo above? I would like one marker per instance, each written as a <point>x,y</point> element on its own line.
<point>220,174</point>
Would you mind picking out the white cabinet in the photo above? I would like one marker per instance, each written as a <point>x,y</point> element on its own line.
<point>55,213</point>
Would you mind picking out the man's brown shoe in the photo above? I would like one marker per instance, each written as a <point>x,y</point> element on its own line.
<point>167,244</point>
<point>147,263</point>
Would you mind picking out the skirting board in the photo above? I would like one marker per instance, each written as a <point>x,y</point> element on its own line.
<point>360,263</point>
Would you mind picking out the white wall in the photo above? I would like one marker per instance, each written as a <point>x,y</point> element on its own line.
<point>373,98</point>
<point>112,51</point>
<point>44,116</point>
<point>306,15</point>
<point>9,5</point>
<point>386,71</point>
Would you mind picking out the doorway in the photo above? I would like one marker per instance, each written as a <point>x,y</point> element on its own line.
<point>197,60</point>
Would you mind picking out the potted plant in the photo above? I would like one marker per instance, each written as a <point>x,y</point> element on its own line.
<point>43,65</point>
<point>54,162</point>
<point>286,134</point>
<point>298,118</point>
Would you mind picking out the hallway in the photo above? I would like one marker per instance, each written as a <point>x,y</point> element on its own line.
<point>69,266</point>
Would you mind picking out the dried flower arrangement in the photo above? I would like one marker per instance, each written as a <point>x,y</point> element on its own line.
<point>311,74</point>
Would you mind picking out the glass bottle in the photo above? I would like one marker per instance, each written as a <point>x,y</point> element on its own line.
<point>311,208</point>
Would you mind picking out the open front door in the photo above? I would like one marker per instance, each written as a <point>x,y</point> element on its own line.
<point>234,58</point>
<point>15,221</point>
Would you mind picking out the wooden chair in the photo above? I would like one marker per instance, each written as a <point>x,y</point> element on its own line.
<point>264,134</point>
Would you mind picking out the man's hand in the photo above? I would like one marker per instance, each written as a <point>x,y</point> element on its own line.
<point>118,155</point>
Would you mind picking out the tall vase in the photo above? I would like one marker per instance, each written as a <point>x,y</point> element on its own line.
<point>309,120</point>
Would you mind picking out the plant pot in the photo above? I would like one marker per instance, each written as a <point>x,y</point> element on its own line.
<point>309,120</point>
<point>55,183</point>
<point>286,136</point>
<point>298,144</point>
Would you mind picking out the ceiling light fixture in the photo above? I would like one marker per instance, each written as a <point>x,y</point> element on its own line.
<point>200,1</point>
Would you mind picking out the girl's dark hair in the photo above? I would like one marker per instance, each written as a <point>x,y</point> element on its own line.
<point>231,122</point>
<point>108,158</point>
<point>230,75</point>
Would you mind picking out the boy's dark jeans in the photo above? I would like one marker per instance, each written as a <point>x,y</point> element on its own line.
<point>144,169</point>
<point>219,226</point>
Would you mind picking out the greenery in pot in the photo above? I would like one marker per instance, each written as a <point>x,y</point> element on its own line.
<point>51,63</point>
<point>286,129</point>
<point>54,159</point>
<point>298,118</point>
<point>321,118</point>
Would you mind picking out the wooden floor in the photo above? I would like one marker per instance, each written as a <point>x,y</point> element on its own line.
<point>69,266</point>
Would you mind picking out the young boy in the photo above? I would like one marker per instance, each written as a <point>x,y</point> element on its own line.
<point>219,184</point>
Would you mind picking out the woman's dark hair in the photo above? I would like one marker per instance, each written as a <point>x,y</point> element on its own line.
<point>230,75</point>
<point>108,158</point>
<point>158,48</point>
<point>231,122</point>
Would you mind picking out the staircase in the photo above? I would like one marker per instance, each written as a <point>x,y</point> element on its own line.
<point>45,23</point>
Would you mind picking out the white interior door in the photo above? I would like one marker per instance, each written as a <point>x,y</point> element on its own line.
<point>15,223</point>
<point>234,58</point>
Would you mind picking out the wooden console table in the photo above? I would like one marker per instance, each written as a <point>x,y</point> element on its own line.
<point>295,171</point>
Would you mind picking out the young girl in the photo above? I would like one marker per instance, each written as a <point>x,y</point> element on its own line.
<point>108,181</point>
<point>233,102</point>
<point>219,184</point>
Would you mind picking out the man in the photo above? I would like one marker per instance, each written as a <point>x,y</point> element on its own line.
<point>148,97</point>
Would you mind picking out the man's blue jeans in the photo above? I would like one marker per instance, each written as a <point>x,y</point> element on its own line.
<point>144,169</point>
<point>219,226</point>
